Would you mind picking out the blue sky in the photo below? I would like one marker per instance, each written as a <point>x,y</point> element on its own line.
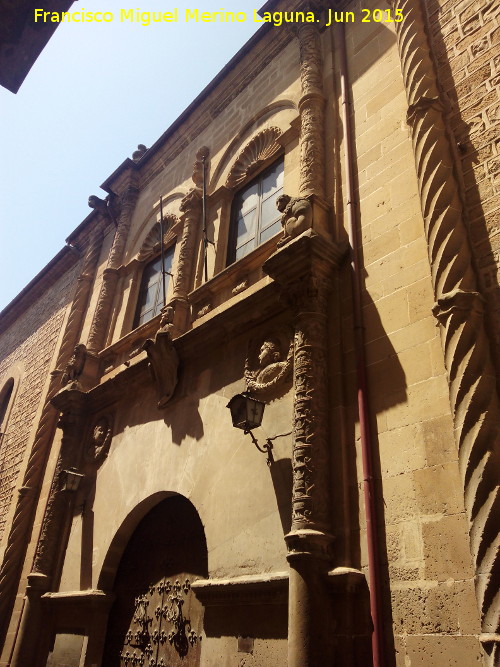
<point>95,92</point>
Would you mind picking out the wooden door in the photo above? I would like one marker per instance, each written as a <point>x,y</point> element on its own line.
<point>156,620</point>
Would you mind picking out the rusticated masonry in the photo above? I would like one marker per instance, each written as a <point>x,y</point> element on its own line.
<point>311,107</point>
<point>28,494</point>
<point>459,310</point>
<point>100,323</point>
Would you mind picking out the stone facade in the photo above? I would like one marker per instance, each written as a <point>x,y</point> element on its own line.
<point>377,509</point>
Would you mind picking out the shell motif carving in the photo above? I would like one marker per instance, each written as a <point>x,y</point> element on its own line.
<point>262,147</point>
<point>152,241</point>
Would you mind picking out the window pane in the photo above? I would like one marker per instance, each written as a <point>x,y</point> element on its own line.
<point>270,231</point>
<point>248,198</point>
<point>255,217</point>
<point>272,181</point>
<point>246,227</point>
<point>269,213</point>
<point>245,249</point>
<point>150,300</point>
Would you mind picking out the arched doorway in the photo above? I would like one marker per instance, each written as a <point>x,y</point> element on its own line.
<point>156,620</point>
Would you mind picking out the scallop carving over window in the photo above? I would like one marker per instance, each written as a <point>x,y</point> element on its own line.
<point>261,148</point>
<point>151,245</point>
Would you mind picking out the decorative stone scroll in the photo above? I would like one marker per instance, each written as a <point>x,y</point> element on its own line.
<point>459,310</point>
<point>201,164</point>
<point>269,362</point>
<point>261,148</point>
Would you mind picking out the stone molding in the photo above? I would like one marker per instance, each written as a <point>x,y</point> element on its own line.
<point>459,310</point>
<point>33,477</point>
<point>250,589</point>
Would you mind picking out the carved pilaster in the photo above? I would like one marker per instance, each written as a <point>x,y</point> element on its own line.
<point>459,311</point>
<point>100,323</point>
<point>311,107</point>
<point>23,516</point>
<point>303,270</point>
<point>72,403</point>
<point>191,209</point>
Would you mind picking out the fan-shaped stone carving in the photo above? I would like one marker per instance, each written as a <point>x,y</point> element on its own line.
<point>151,243</point>
<point>262,147</point>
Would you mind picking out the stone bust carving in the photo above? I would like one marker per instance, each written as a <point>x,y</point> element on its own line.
<point>296,216</point>
<point>100,439</point>
<point>269,365</point>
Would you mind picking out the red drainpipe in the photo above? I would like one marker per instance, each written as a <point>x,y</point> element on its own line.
<point>369,489</point>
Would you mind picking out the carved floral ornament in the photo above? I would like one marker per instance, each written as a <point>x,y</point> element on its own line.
<point>261,148</point>
<point>269,362</point>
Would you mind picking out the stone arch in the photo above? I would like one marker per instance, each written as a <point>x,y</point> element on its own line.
<point>140,231</point>
<point>155,610</point>
<point>151,244</point>
<point>257,124</point>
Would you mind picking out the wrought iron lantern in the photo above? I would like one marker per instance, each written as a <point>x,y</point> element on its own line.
<point>246,412</point>
<point>71,479</point>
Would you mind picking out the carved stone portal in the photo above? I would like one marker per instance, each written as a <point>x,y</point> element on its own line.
<point>163,364</point>
<point>269,363</point>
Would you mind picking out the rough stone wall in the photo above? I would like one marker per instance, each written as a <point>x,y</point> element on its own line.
<point>29,344</point>
<point>465,37</point>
